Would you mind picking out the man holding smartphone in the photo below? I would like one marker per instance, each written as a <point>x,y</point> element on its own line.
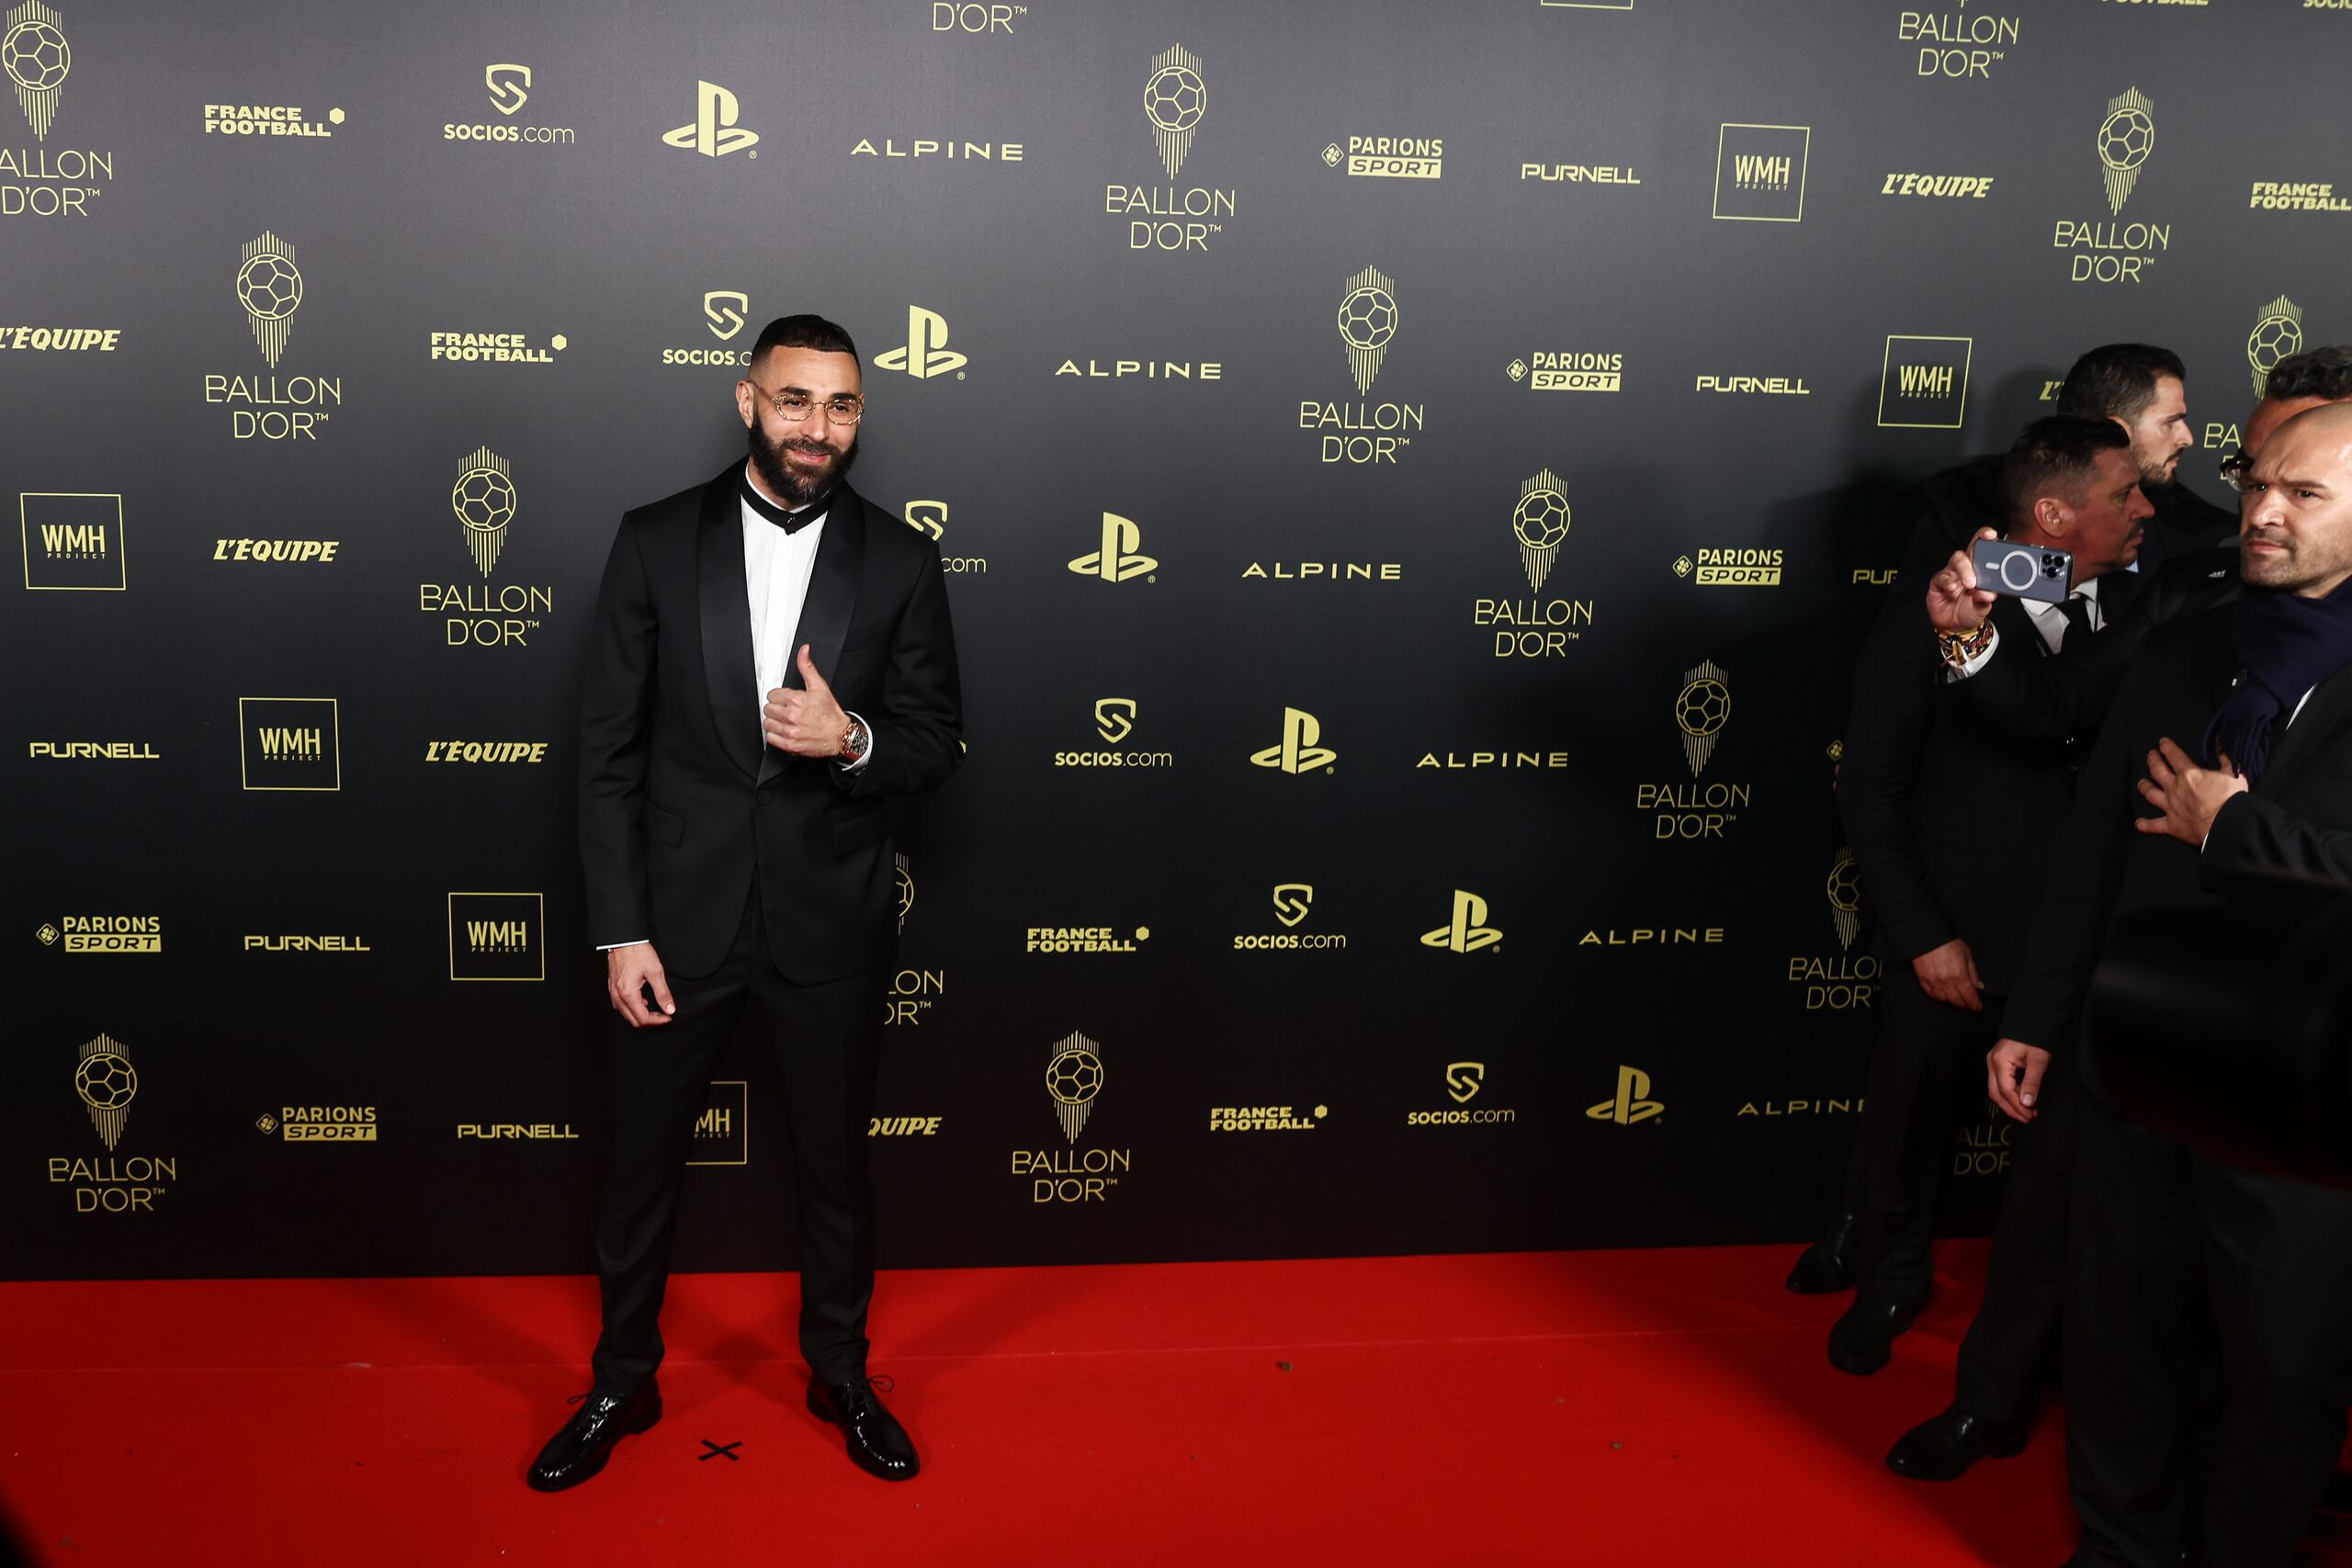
<point>1925,780</point>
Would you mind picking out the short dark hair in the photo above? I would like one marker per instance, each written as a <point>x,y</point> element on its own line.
<point>803,332</point>
<point>2321,372</point>
<point>2053,456</point>
<point>2116,380</point>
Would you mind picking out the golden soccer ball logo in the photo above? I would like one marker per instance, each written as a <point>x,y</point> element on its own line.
<point>906,892</point>
<point>1367,323</point>
<point>2125,140</point>
<point>2126,137</point>
<point>1175,96</point>
<point>37,56</point>
<point>484,499</point>
<point>1845,891</point>
<point>269,286</point>
<point>1368,317</point>
<point>1539,522</point>
<point>1073,1077</point>
<point>1540,519</point>
<point>2278,332</point>
<point>1700,710</point>
<point>106,1082</point>
<point>1702,707</point>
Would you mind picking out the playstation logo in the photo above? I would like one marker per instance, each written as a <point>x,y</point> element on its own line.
<point>722,311</point>
<point>1298,751</point>
<point>1114,718</point>
<point>1292,900</point>
<point>1630,1105</point>
<point>509,86</point>
<point>713,132</point>
<point>1464,1080</point>
<point>1117,561</point>
<point>1467,931</point>
<point>926,352</point>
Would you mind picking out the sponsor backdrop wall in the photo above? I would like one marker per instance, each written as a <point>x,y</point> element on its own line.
<point>1411,480</point>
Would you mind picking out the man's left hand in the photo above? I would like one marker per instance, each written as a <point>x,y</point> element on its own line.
<point>2189,797</point>
<point>808,723</point>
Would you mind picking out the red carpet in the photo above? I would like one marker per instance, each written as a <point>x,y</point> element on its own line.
<point>1630,1407</point>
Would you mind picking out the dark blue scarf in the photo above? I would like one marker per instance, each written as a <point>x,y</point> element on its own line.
<point>2285,645</point>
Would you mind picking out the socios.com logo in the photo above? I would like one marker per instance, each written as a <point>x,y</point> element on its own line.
<point>723,311</point>
<point>1292,901</point>
<point>713,132</point>
<point>1119,559</point>
<point>1467,931</point>
<point>926,352</point>
<point>1297,752</point>
<point>1464,1080</point>
<point>1114,718</point>
<point>509,86</point>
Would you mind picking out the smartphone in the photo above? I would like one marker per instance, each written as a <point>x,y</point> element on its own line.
<point>2023,571</point>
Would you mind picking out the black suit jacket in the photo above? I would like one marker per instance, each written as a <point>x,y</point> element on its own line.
<point>674,823</point>
<point>2297,817</point>
<point>2049,699</point>
<point>1936,795</point>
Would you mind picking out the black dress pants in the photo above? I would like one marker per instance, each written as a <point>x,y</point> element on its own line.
<point>826,1040</point>
<point>2174,1251</point>
<point>1920,1068</point>
<point>2015,1334</point>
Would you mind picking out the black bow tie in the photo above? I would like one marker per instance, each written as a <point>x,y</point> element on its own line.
<point>790,522</point>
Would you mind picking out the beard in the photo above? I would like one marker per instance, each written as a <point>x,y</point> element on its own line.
<point>2158,473</point>
<point>799,484</point>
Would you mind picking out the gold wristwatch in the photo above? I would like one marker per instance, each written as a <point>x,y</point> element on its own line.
<point>856,741</point>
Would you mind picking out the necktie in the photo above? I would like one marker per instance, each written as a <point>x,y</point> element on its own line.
<point>2078,611</point>
<point>790,522</point>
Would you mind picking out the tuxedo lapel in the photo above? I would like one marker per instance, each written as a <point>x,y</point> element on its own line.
<point>725,605</point>
<point>832,589</point>
<point>2324,715</point>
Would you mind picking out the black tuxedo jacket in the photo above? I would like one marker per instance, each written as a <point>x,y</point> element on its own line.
<point>674,823</point>
<point>2297,817</point>
<point>1942,807</point>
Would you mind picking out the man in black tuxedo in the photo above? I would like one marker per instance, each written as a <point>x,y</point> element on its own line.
<point>1924,779</point>
<point>772,660</point>
<point>2242,721</point>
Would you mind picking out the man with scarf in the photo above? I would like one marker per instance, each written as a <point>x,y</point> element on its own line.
<point>2173,1250</point>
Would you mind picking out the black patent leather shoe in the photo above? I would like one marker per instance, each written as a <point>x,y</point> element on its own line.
<point>1861,1341</point>
<point>580,1450</point>
<point>1828,1266</point>
<point>877,1443</point>
<point>1943,1449</point>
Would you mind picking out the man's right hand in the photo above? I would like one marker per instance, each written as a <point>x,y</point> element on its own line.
<point>2013,1072</point>
<point>1954,602</point>
<point>630,973</point>
<point>1948,974</point>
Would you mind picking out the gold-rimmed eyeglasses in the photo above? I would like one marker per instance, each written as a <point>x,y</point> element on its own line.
<point>793,405</point>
